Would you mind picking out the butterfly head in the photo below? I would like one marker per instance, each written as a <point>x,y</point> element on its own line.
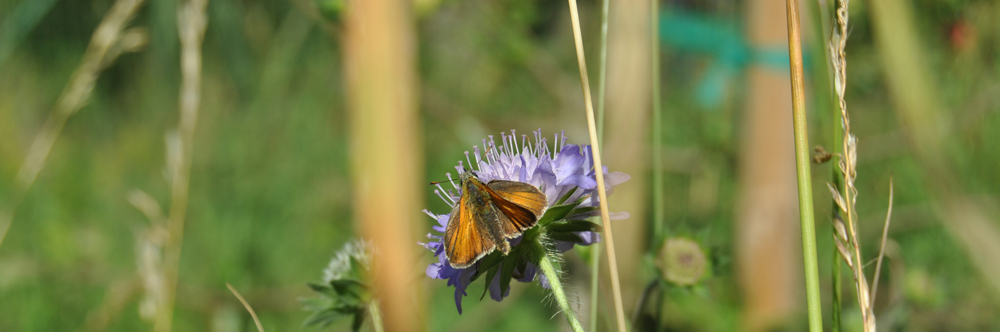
<point>467,175</point>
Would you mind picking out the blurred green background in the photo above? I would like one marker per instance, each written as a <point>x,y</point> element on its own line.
<point>270,192</point>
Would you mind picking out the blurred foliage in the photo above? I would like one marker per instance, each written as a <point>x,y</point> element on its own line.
<point>270,194</point>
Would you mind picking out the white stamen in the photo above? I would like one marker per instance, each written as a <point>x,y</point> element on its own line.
<point>448,200</point>
<point>555,147</point>
<point>452,181</point>
<point>525,143</point>
<point>479,159</point>
<point>513,138</point>
<point>467,158</point>
<point>538,140</point>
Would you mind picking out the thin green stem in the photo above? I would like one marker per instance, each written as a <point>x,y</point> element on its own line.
<point>837,289</point>
<point>838,132</point>
<point>802,168</point>
<point>595,251</point>
<point>557,291</point>
<point>603,72</point>
<point>595,278</point>
<point>658,213</point>
<point>376,315</point>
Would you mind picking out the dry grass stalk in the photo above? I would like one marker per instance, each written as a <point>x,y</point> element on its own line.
<point>108,42</point>
<point>846,237</point>
<point>595,148</point>
<point>253,314</point>
<point>191,24</point>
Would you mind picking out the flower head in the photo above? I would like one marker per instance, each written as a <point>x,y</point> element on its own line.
<point>345,291</point>
<point>683,262</point>
<point>565,173</point>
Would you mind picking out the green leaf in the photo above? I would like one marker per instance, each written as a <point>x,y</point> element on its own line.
<point>505,276</point>
<point>565,197</point>
<point>585,209</point>
<point>489,262</point>
<point>489,279</point>
<point>323,289</point>
<point>574,226</point>
<point>358,269</point>
<point>332,10</point>
<point>567,237</point>
<point>323,317</point>
<point>349,287</point>
<point>557,212</point>
<point>359,319</point>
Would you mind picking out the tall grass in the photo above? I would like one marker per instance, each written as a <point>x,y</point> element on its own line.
<point>802,168</point>
<point>846,234</point>
<point>928,127</point>
<point>602,77</point>
<point>595,148</point>
<point>191,24</point>
<point>109,40</point>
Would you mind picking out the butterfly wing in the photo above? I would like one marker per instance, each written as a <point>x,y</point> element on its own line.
<point>520,205</point>
<point>464,241</point>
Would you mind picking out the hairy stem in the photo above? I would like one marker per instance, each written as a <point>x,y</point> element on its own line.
<point>557,291</point>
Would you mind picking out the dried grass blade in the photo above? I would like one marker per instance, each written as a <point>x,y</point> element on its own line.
<point>881,251</point>
<point>246,305</point>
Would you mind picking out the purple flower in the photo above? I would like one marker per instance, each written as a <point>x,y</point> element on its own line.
<point>565,173</point>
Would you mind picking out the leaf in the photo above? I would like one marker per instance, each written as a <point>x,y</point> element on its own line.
<point>489,279</point>
<point>566,237</point>
<point>349,287</point>
<point>505,275</point>
<point>350,292</point>
<point>575,226</point>
<point>323,318</point>
<point>358,269</point>
<point>557,212</point>
<point>359,319</point>
<point>566,196</point>
<point>323,289</point>
<point>586,210</point>
<point>486,263</point>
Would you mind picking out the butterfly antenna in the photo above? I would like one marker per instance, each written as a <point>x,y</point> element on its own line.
<point>434,183</point>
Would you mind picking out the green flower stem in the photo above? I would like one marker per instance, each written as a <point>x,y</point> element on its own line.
<point>602,74</point>
<point>376,315</point>
<point>557,290</point>
<point>595,250</point>
<point>595,278</point>
<point>658,210</point>
<point>837,289</point>
<point>802,168</point>
<point>837,178</point>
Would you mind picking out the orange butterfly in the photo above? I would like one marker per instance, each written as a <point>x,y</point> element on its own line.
<point>487,215</point>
